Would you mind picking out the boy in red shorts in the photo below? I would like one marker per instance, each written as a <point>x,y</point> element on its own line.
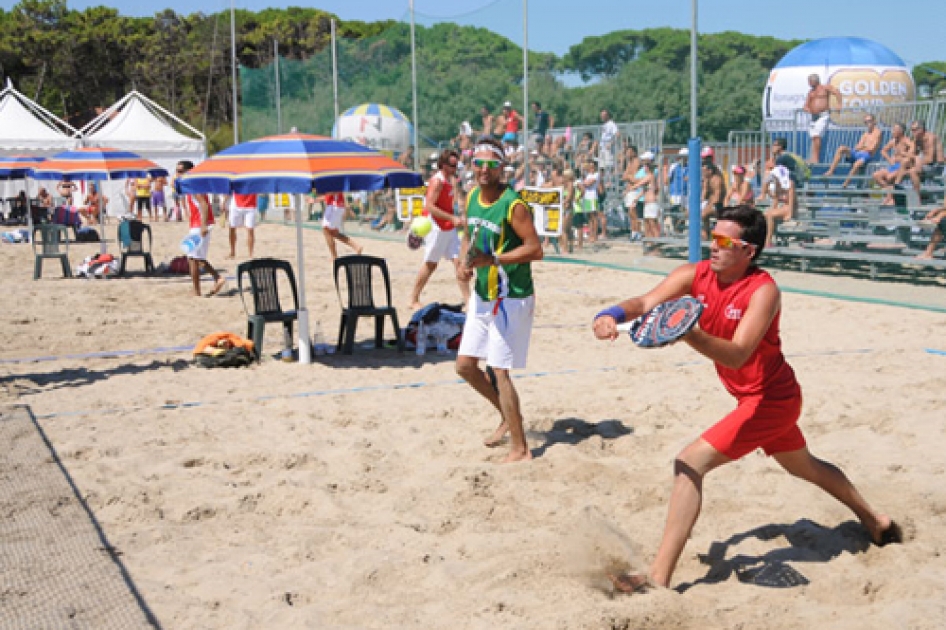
<point>739,332</point>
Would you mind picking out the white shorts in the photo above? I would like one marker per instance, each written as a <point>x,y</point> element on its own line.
<point>200,252</point>
<point>441,244</point>
<point>503,339</point>
<point>333,217</point>
<point>819,124</point>
<point>651,210</point>
<point>242,217</point>
<point>630,199</point>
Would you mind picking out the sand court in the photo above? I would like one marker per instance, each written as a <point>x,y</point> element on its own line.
<point>355,492</point>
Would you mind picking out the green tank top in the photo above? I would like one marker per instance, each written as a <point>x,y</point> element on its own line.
<point>490,229</point>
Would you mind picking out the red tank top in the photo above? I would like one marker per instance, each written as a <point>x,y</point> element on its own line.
<point>335,199</point>
<point>512,123</point>
<point>443,202</point>
<point>765,372</point>
<point>244,201</point>
<point>195,211</point>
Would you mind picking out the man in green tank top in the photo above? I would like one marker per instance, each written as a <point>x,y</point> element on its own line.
<point>499,245</point>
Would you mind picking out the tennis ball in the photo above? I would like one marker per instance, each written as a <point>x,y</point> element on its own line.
<point>421,226</point>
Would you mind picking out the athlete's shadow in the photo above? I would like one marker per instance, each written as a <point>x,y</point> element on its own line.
<point>575,430</point>
<point>807,542</point>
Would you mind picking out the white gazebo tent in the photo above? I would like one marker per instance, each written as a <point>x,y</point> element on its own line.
<point>27,128</point>
<point>136,123</point>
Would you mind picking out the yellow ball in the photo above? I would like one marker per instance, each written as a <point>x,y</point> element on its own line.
<point>421,226</point>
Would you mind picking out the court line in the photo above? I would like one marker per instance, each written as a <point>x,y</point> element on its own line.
<point>391,387</point>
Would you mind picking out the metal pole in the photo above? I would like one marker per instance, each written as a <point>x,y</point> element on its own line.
<point>525,89</point>
<point>233,64</point>
<point>694,92</point>
<point>694,168</point>
<point>414,90</point>
<point>334,73</point>
<point>305,341</point>
<point>278,91</point>
<point>695,176</point>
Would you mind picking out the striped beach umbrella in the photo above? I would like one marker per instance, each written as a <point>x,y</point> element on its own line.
<point>96,164</point>
<point>297,163</point>
<point>17,166</point>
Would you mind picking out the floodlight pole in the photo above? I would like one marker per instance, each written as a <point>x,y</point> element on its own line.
<point>414,90</point>
<point>334,74</point>
<point>278,91</point>
<point>694,167</point>
<point>525,90</point>
<point>233,64</point>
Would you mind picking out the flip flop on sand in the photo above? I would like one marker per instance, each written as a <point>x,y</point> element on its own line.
<point>893,535</point>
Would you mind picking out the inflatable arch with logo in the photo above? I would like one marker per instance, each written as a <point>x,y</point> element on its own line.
<point>866,73</point>
<point>375,125</point>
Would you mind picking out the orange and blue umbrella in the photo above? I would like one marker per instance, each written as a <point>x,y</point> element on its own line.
<point>96,164</point>
<point>296,163</point>
<point>17,166</point>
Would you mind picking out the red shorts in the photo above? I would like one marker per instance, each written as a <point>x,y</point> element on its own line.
<point>758,422</point>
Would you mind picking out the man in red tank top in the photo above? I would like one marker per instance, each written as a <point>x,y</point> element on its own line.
<point>739,332</point>
<point>242,213</point>
<point>442,241</point>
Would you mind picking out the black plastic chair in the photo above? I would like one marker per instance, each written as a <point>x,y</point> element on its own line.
<point>358,276</point>
<point>53,243</point>
<point>131,241</point>
<point>264,276</point>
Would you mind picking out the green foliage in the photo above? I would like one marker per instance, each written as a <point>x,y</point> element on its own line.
<point>933,74</point>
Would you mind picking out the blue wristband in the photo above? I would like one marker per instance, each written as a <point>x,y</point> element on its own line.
<point>613,311</point>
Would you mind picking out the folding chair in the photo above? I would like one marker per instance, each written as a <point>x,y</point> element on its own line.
<point>358,276</point>
<point>264,275</point>
<point>131,241</point>
<point>52,237</point>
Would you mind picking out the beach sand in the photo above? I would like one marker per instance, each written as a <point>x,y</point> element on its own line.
<point>355,492</point>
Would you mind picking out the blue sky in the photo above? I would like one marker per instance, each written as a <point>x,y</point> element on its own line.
<point>914,29</point>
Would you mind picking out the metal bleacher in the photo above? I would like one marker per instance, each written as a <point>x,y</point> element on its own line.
<point>839,228</point>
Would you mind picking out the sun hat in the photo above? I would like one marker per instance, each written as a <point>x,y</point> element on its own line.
<point>708,153</point>
<point>683,152</point>
<point>647,156</point>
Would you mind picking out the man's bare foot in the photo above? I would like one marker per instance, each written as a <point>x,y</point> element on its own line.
<point>630,583</point>
<point>518,456</point>
<point>416,306</point>
<point>359,249</point>
<point>218,285</point>
<point>924,256</point>
<point>230,257</point>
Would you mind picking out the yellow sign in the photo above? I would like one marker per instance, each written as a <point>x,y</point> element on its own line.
<point>410,202</point>
<point>546,206</point>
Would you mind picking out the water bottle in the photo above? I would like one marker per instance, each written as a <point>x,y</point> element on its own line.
<point>421,339</point>
<point>318,341</point>
<point>441,338</point>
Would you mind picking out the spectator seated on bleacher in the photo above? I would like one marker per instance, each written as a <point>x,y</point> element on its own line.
<point>779,186</point>
<point>863,152</point>
<point>928,160</point>
<point>898,152</point>
<point>938,218</point>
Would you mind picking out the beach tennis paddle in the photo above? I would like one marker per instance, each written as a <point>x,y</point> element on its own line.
<point>665,323</point>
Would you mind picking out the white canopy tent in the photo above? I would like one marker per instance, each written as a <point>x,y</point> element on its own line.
<point>136,123</point>
<point>26,128</point>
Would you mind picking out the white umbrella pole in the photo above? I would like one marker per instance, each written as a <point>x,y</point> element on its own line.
<point>305,341</point>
